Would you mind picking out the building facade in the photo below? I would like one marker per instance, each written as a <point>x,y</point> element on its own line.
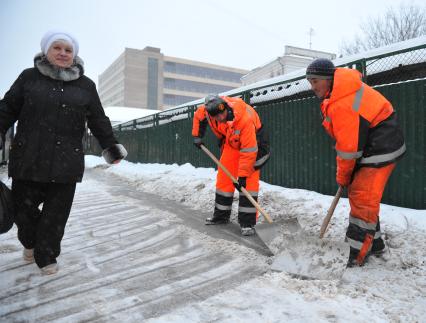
<point>294,58</point>
<point>150,80</point>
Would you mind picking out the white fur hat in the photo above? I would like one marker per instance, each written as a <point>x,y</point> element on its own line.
<point>54,35</point>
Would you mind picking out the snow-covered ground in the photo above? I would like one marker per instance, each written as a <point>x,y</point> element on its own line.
<point>174,272</point>
<point>391,290</point>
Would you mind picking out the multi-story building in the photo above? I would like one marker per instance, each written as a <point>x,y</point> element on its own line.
<point>148,79</point>
<point>294,58</point>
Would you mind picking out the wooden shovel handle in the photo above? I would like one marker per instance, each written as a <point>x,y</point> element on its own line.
<point>247,194</point>
<point>330,212</point>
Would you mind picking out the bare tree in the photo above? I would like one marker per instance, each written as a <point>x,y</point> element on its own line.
<point>409,21</point>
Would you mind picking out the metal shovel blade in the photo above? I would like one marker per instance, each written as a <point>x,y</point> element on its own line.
<point>272,233</point>
<point>310,257</point>
<point>299,253</point>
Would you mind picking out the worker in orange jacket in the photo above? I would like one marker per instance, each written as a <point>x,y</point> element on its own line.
<point>368,143</point>
<point>238,129</point>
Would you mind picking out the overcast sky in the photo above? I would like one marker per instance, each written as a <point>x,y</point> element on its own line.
<point>238,33</point>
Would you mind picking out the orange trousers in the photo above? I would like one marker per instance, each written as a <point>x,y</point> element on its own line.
<point>247,213</point>
<point>365,193</point>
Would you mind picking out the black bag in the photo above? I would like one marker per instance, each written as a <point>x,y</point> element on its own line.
<point>263,148</point>
<point>7,213</point>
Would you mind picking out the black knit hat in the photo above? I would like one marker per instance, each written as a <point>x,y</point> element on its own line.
<point>214,104</point>
<point>321,68</point>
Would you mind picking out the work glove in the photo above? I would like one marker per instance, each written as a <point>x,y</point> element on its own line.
<point>345,169</point>
<point>242,182</point>
<point>343,181</point>
<point>198,142</point>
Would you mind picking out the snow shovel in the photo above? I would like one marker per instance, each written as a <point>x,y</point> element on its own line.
<point>295,251</point>
<point>270,233</point>
<point>330,212</point>
<point>308,257</point>
<point>234,180</point>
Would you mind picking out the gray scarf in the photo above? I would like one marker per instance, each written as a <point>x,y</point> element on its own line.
<point>63,74</point>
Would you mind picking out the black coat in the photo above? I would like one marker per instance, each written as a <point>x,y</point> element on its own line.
<point>51,115</point>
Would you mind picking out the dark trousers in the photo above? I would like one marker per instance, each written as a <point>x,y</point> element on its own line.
<point>42,228</point>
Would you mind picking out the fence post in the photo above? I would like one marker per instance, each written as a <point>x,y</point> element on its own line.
<point>192,110</point>
<point>362,67</point>
<point>246,97</point>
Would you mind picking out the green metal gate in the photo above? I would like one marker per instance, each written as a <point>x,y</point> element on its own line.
<point>303,155</point>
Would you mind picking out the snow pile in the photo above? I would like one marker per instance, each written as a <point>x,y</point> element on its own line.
<point>195,187</point>
<point>392,288</point>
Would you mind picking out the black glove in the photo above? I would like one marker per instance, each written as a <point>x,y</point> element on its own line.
<point>242,182</point>
<point>198,142</point>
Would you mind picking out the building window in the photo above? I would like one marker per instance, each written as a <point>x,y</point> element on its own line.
<point>170,99</point>
<point>204,72</point>
<point>191,86</point>
<point>152,83</point>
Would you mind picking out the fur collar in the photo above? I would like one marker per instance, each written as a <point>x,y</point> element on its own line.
<point>63,74</point>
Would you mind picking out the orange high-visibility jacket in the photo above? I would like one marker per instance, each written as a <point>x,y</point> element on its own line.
<point>240,133</point>
<point>363,123</point>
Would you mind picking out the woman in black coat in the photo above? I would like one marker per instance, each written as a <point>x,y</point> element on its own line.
<point>52,103</point>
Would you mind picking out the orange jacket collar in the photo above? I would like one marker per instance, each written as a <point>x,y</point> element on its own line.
<point>346,82</point>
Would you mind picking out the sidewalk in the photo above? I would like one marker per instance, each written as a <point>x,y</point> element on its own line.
<point>126,256</point>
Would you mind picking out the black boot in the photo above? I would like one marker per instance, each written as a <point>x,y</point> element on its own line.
<point>352,259</point>
<point>212,220</point>
<point>247,230</point>
<point>352,262</point>
<point>378,247</point>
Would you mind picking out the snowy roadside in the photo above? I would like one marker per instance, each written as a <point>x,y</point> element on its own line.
<point>382,291</point>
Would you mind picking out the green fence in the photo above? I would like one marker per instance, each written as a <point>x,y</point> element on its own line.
<point>302,153</point>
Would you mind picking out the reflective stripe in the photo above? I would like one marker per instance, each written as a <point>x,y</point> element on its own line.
<point>358,97</point>
<point>385,157</point>
<point>223,207</point>
<point>226,194</point>
<point>260,161</point>
<point>346,155</point>
<point>248,150</point>
<point>356,244</point>
<point>377,235</point>
<point>247,209</point>
<point>237,132</point>
<point>362,224</point>
<point>197,140</point>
